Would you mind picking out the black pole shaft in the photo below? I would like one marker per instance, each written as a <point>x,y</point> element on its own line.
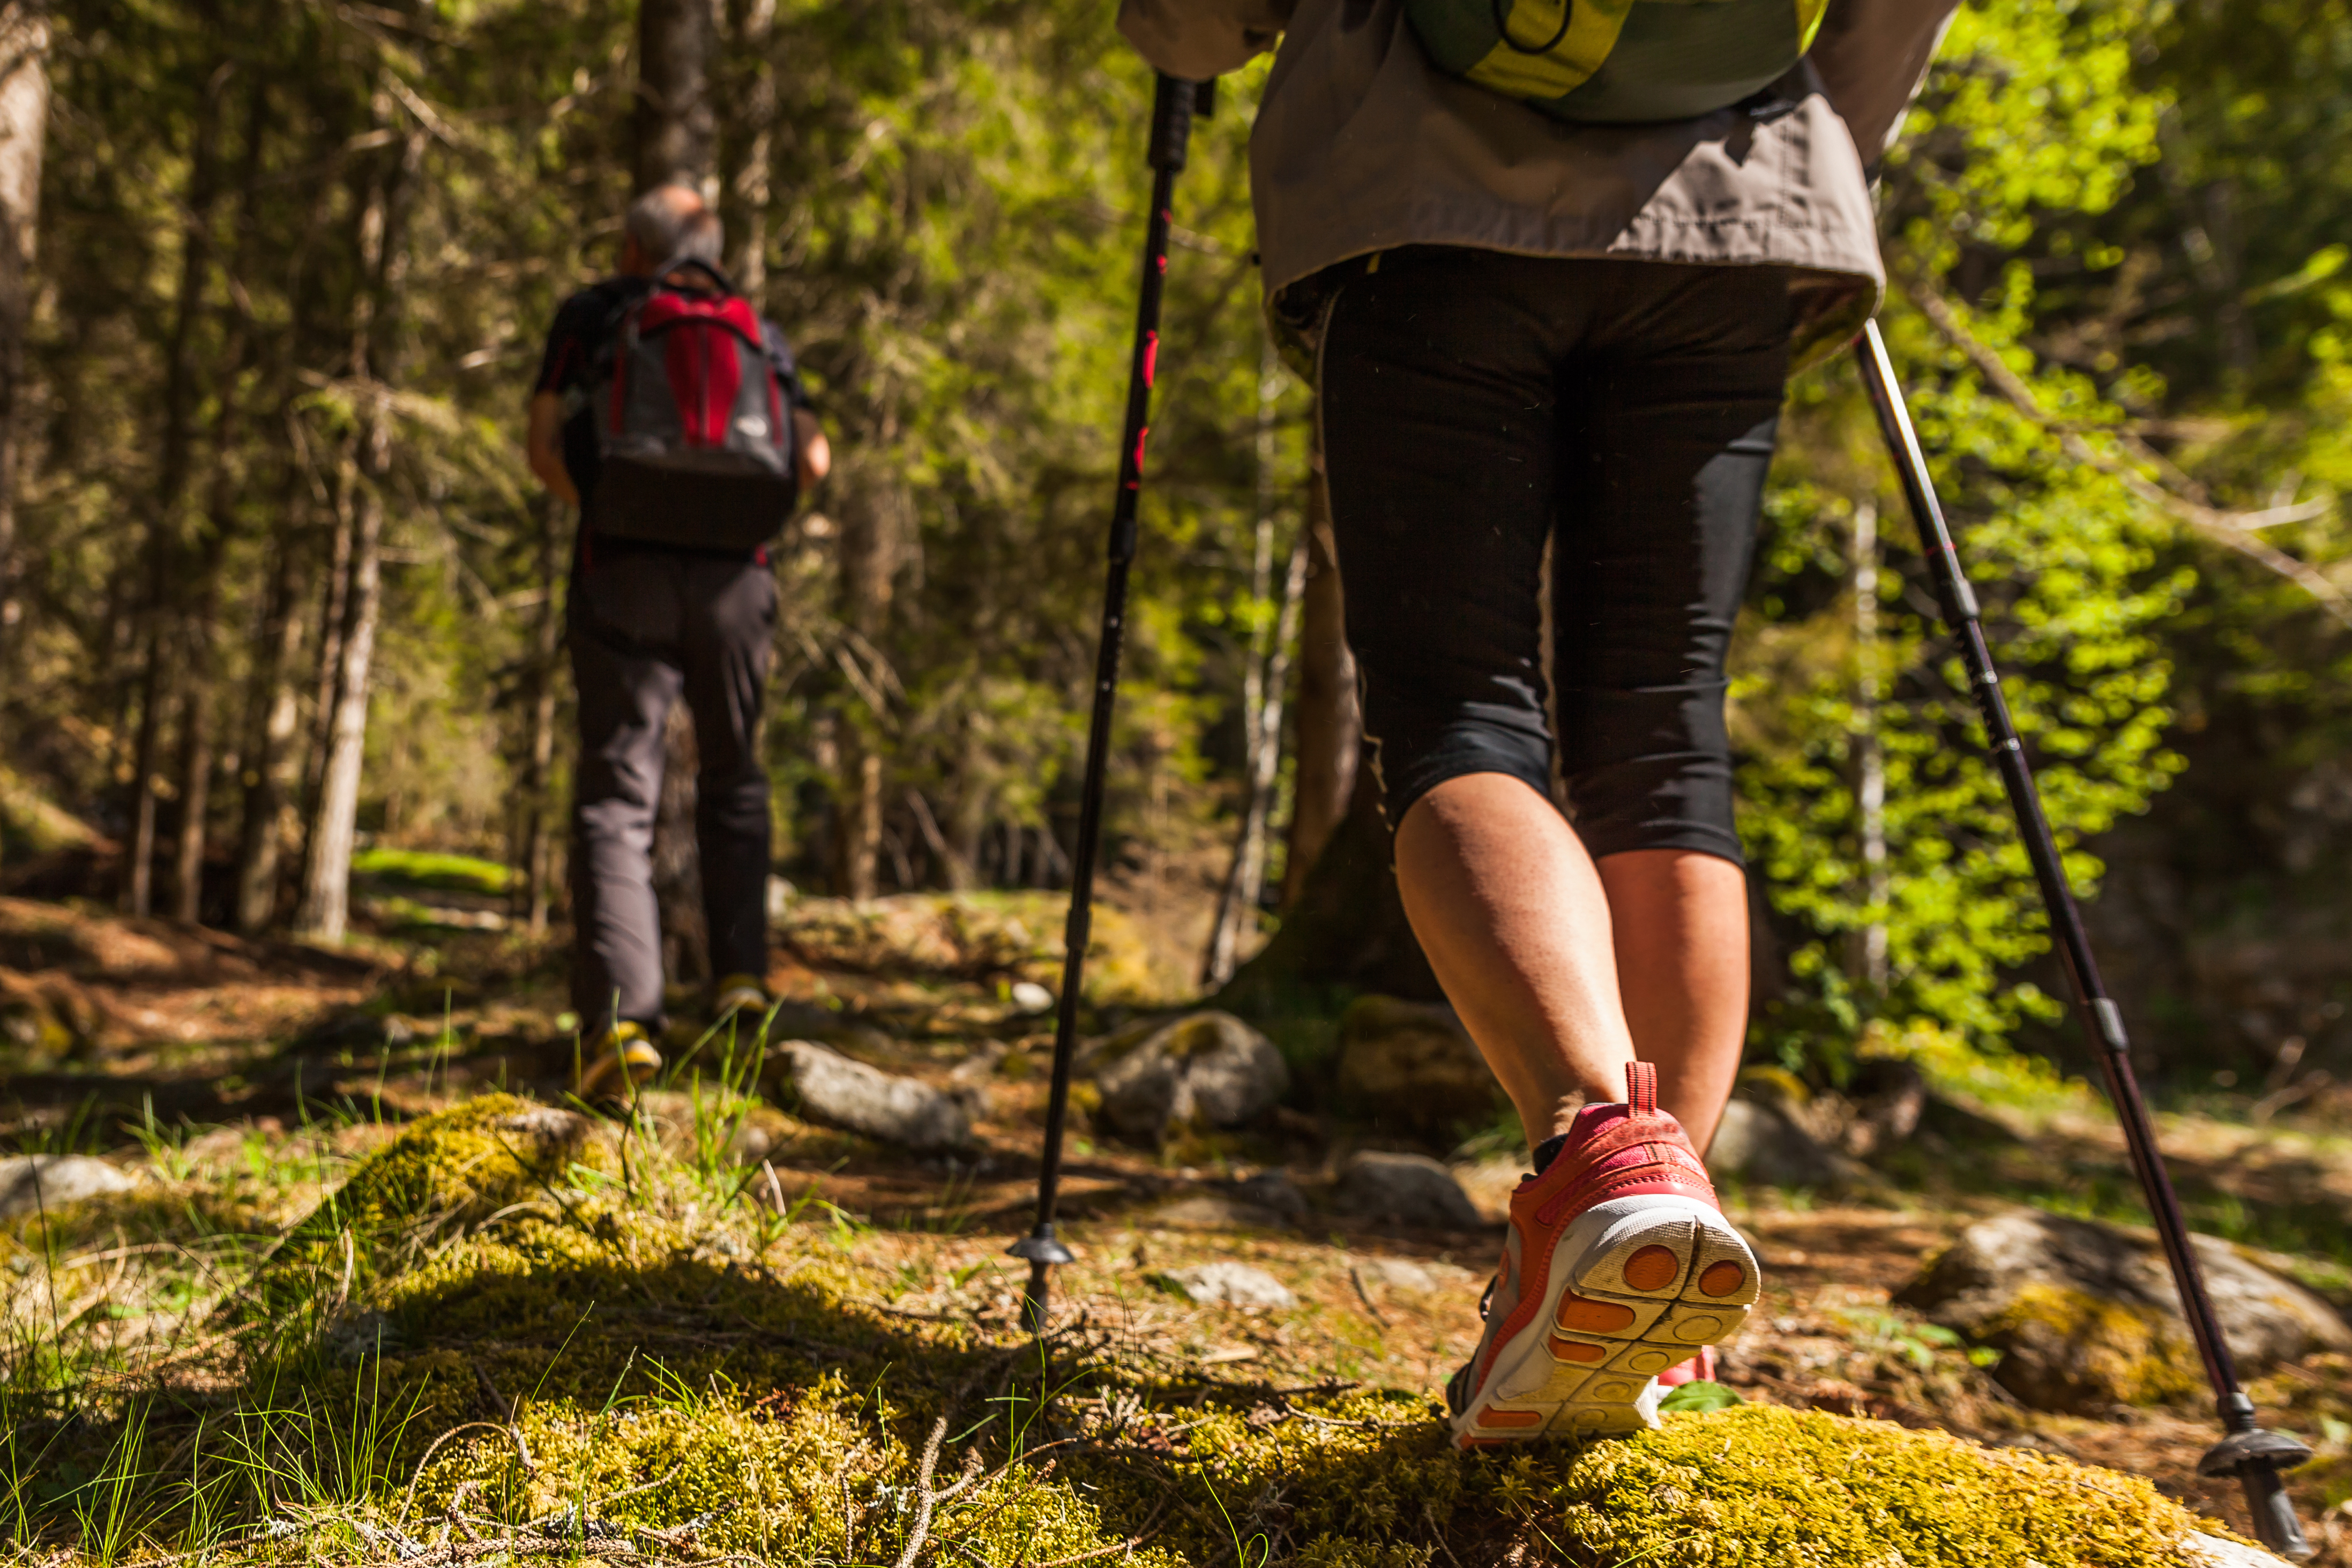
<point>2102,1021</point>
<point>1171,129</point>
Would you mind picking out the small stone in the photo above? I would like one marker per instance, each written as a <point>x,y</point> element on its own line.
<point>1275,1190</point>
<point>1762,1143</point>
<point>839,1093</point>
<point>1412,1066</point>
<point>2086,1315</point>
<point>1030,997</point>
<point>32,1183</point>
<point>1397,1274</point>
<point>1406,1189</point>
<point>1207,1069</point>
<point>1228,1284</point>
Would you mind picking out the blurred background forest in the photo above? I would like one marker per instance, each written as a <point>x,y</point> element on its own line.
<point>276,584</point>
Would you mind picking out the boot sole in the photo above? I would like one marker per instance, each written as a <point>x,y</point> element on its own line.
<point>1636,1284</point>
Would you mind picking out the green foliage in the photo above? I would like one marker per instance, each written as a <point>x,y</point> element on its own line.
<point>2030,119</point>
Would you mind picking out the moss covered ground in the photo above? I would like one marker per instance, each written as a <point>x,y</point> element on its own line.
<point>382,1295</point>
<point>513,1331</point>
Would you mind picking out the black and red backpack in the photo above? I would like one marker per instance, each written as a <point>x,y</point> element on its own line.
<point>694,419</point>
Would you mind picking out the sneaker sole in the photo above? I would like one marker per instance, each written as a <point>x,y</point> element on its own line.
<point>614,1074</point>
<point>1636,1284</point>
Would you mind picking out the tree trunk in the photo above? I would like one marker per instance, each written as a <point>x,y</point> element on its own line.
<point>200,632</point>
<point>165,678</point>
<point>539,779</point>
<point>324,912</point>
<point>1237,901</point>
<point>869,565</point>
<point>1330,729</point>
<point>24,128</point>
<point>1869,759</point>
<point>673,122</point>
<point>746,124</point>
<point>1347,928</point>
<point>272,713</point>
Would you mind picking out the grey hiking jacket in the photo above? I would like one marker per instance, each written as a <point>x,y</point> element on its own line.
<point>1362,145</point>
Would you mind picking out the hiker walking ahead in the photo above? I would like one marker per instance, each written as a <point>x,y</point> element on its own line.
<point>671,415</point>
<point>1556,260</point>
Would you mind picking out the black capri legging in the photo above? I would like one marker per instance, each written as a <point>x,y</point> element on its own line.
<point>1477,405</point>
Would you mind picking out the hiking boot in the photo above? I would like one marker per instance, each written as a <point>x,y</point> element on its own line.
<point>1619,1265</point>
<point>738,994</point>
<point>619,1059</point>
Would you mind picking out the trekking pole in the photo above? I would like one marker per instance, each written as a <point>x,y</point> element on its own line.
<point>2247,1451</point>
<point>1173,105</point>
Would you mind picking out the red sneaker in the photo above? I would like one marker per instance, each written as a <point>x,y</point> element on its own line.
<point>1619,1265</point>
<point>1700,1368</point>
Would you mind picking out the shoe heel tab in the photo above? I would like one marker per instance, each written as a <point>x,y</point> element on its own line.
<point>1642,1088</point>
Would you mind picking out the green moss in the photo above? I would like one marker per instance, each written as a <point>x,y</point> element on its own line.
<point>531,1325</point>
<point>431,869</point>
<point>442,1173</point>
<point>1760,1485</point>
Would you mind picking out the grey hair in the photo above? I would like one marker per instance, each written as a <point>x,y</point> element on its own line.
<point>671,221</point>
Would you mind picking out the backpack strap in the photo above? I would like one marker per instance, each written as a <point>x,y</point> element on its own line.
<point>710,270</point>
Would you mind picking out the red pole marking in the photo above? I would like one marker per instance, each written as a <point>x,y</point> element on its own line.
<point>1136,461</point>
<point>1160,262</point>
<point>1150,357</point>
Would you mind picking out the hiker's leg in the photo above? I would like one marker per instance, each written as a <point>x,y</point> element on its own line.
<point>622,616</point>
<point>1508,908</point>
<point>1667,436</point>
<point>1681,921</point>
<point>730,644</point>
<point>1439,410</point>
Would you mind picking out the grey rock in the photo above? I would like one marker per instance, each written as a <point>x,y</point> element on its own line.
<point>30,1182</point>
<point>1207,1069</point>
<point>1406,1189</point>
<point>1397,1274</point>
<point>839,1092</point>
<point>2086,1316</point>
<point>1412,1066</point>
<point>1275,1190</point>
<point>2212,1552</point>
<point>1229,1285</point>
<point>1762,1143</point>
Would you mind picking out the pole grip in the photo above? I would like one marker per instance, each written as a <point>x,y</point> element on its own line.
<point>1172,102</point>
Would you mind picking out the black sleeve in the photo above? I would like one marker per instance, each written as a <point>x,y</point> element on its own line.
<point>571,344</point>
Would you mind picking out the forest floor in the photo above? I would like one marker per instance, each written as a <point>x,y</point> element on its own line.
<point>239,1083</point>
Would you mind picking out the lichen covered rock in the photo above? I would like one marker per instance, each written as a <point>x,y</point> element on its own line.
<point>1410,1066</point>
<point>2087,1316</point>
<point>1204,1070</point>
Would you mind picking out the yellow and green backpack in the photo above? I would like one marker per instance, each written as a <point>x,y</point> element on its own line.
<point>1619,61</point>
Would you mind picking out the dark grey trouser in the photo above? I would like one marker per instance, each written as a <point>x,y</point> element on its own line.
<point>648,625</point>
